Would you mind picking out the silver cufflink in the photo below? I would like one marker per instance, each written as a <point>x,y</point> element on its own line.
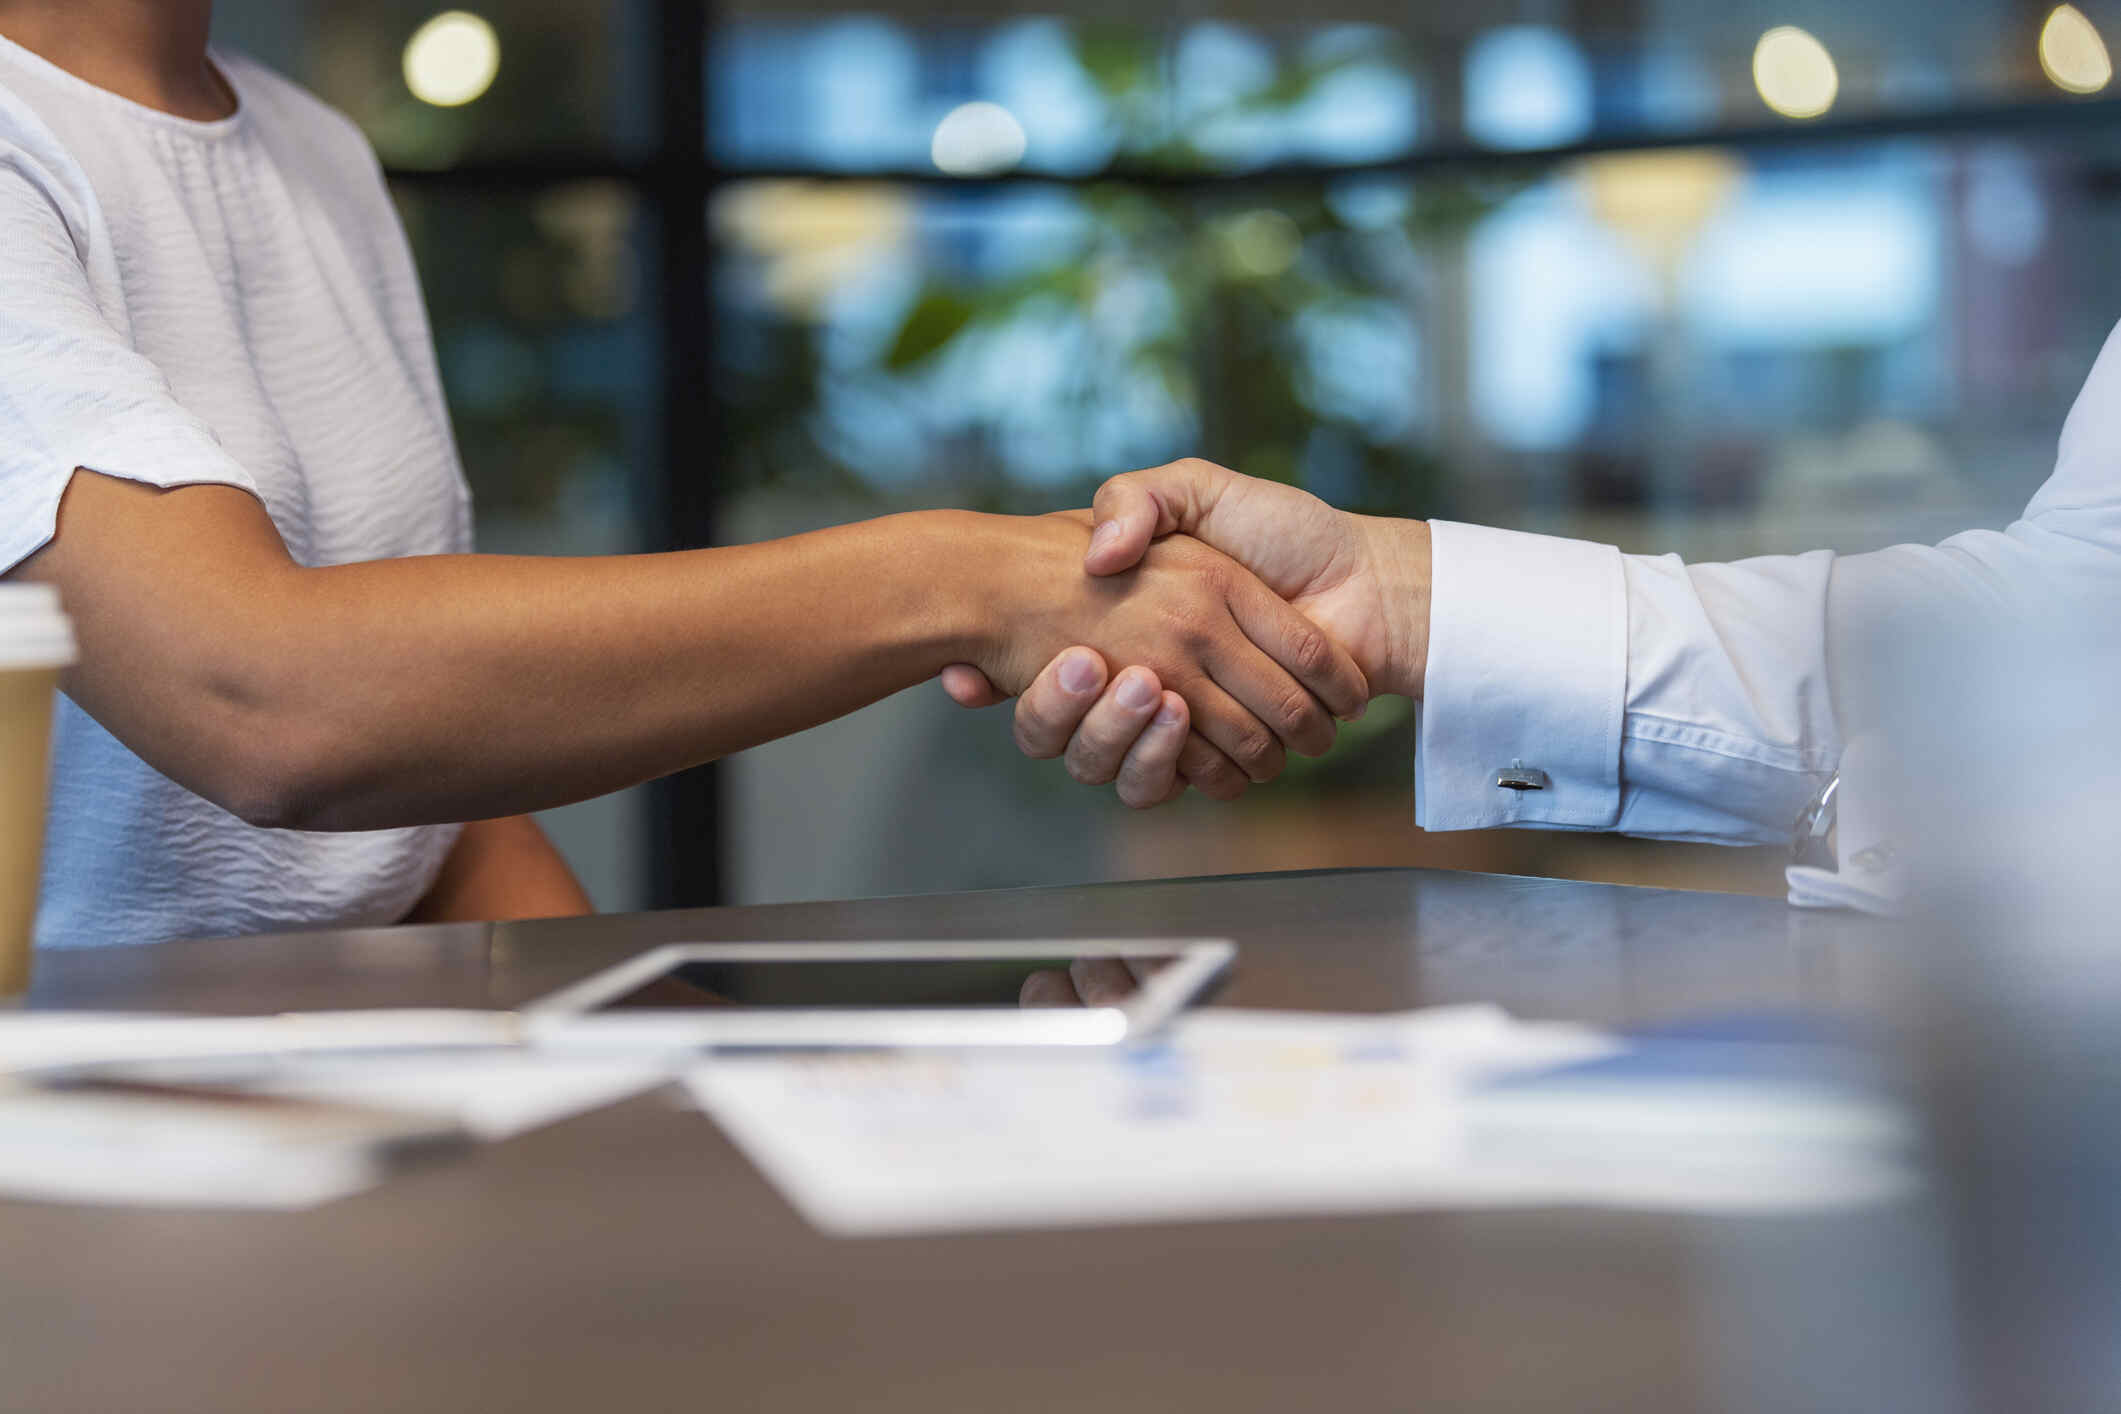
<point>1811,840</point>
<point>1519,777</point>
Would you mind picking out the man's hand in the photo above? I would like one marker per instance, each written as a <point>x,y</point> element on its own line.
<point>1131,734</point>
<point>1254,677</point>
<point>1089,981</point>
<point>1362,579</point>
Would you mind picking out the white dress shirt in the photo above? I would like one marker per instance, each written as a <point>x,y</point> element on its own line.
<point>1711,702</point>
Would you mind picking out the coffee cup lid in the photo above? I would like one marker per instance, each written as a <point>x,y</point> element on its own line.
<point>34,632</point>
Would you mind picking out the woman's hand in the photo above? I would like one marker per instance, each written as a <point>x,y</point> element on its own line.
<point>1257,678</point>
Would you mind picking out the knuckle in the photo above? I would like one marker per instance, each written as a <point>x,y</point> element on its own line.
<point>1190,629</point>
<point>1255,750</point>
<point>1087,764</point>
<point>1143,780</point>
<point>1134,790</point>
<point>1034,738</point>
<point>1114,487</point>
<point>1213,776</point>
<point>1299,715</point>
<point>1310,652</point>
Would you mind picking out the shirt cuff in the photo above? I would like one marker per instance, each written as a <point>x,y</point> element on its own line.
<point>1527,674</point>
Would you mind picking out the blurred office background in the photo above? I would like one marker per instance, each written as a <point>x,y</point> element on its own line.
<point>1710,279</point>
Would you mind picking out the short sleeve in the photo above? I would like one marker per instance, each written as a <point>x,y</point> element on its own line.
<point>73,390</point>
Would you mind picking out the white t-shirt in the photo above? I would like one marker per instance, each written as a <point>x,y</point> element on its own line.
<point>231,302</point>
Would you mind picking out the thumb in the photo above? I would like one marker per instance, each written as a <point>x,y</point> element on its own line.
<point>968,686</point>
<point>1134,509</point>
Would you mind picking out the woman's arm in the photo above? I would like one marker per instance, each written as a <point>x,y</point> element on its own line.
<point>399,692</point>
<point>501,869</point>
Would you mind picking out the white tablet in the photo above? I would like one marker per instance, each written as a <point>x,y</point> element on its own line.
<point>882,994</point>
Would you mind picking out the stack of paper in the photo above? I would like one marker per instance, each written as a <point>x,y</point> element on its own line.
<point>44,1042</point>
<point>113,1142</point>
<point>271,1112</point>
<point>1235,1114</point>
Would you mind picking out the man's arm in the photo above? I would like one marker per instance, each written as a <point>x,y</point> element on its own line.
<point>441,688</point>
<point>502,869</point>
<point>1657,698</point>
<point>1617,692</point>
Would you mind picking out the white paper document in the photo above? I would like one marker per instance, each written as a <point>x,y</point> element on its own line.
<point>1235,1114</point>
<point>493,1094</point>
<point>59,1040</point>
<point>427,1077</point>
<point>145,1148</point>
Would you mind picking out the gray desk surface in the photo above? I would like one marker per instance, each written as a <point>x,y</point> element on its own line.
<point>631,1259</point>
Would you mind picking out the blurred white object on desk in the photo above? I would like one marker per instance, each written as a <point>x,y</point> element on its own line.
<point>1237,1114</point>
<point>270,1111</point>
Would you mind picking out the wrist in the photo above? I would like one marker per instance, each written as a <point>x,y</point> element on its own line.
<point>979,569</point>
<point>951,557</point>
<point>1399,555</point>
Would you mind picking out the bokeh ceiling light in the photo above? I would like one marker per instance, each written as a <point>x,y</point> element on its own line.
<point>1794,73</point>
<point>1661,201</point>
<point>977,140</point>
<point>2073,54</point>
<point>452,59</point>
<point>812,239</point>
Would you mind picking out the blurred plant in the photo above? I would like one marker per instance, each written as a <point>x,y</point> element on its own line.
<point>1271,329</point>
<point>1054,338</point>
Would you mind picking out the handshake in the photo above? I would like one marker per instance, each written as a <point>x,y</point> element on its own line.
<point>1243,616</point>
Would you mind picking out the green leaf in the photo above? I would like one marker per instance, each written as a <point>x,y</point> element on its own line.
<point>936,318</point>
<point>1119,59</point>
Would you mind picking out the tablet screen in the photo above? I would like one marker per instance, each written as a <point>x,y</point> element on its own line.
<point>882,983</point>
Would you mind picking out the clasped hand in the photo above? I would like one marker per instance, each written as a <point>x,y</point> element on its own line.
<point>1359,582</point>
<point>1225,677</point>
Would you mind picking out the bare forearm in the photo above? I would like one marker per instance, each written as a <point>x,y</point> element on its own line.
<point>473,686</point>
<point>408,691</point>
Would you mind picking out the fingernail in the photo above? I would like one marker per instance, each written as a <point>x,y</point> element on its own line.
<point>1104,535</point>
<point>1135,693</point>
<point>1078,676</point>
<point>1356,715</point>
<point>1170,716</point>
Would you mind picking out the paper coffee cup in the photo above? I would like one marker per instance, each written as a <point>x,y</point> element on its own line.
<point>36,642</point>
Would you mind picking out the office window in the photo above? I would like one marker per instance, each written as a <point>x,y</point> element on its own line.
<point>1714,280</point>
